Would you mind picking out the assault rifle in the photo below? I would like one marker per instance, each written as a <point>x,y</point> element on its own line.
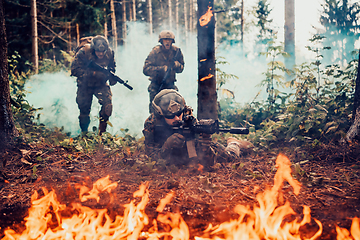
<point>93,65</point>
<point>188,128</point>
<point>168,71</point>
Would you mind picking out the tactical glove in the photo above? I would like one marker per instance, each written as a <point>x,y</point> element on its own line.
<point>100,76</point>
<point>112,81</point>
<point>177,64</point>
<point>175,141</point>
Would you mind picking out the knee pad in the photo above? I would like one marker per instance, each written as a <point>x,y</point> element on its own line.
<point>108,109</point>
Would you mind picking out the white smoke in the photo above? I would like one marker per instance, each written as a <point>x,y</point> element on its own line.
<point>56,92</point>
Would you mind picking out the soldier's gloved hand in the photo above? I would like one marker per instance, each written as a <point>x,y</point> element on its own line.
<point>112,81</point>
<point>165,68</point>
<point>174,141</point>
<point>177,64</point>
<point>100,76</point>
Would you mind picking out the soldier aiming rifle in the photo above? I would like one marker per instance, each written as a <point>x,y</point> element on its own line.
<point>174,134</point>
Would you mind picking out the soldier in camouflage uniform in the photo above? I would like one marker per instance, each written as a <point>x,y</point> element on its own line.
<point>90,82</point>
<point>162,143</point>
<point>158,62</point>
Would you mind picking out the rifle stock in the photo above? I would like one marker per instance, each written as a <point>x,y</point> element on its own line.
<point>97,67</point>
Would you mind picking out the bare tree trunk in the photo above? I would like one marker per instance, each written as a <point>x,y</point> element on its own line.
<point>207,97</point>
<point>113,25</point>
<point>289,33</point>
<point>242,25</point>
<point>105,23</point>
<point>186,24</point>
<point>170,14</point>
<point>177,18</point>
<point>77,35</point>
<point>354,131</point>
<point>150,17</point>
<point>124,21</point>
<point>134,10</point>
<point>69,36</point>
<point>191,16</point>
<point>7,127</point>
<point>34,36</point>
<point>130,11</point>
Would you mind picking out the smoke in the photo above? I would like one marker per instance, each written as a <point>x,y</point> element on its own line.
<point>56,92</point>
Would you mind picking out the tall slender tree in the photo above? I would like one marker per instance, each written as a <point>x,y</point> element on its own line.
<point>113,25</point>
<point>150,12</point>
<point>7,127</point>
<point>34,36</point>
<point>207,96</point>
<point>289,33</point>
<point>354,130</point>
<point>342,28</point>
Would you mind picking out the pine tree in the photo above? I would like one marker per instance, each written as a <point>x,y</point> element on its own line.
<point>342,28</point>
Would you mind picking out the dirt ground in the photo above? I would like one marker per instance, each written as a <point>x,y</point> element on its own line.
<point>329,175</point>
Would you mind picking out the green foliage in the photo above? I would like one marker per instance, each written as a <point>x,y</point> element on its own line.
<point>342,26</point>
<point>274,73</point>
<point>228,21</point>
<point>308,114</point>
<point>262,13</point>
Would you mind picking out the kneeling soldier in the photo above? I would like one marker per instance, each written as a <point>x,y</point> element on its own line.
<point>162,142</point>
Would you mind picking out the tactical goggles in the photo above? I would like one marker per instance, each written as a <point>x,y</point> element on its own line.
<point>172,116</point>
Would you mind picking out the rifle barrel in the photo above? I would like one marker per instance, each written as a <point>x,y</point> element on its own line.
<point>235,130</point>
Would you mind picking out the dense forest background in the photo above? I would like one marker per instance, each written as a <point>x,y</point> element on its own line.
<point>309,102</point>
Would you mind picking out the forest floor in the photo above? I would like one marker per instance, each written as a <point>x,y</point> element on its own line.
<point>330,180</point>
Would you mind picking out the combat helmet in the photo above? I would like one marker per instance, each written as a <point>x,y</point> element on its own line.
<point>168,103</point>
<point>167,34</point>
<point>99,44</point>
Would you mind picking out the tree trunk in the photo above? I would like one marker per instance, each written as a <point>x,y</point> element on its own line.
<point>124,21</point>
<point>170,13</point>
<point>69,36</point>
<point>150,17</point>
<point>177,18</point>
<point>105,23</point>
<point>186,24</point>
<point>207,97</point>
<point>242,25</point>
<point>353,133</point>
<point>113,25</point>
<point>7,127</point>
<point>289,33</point>
<point>191,15</point>
<point>77,35</point>
<point>134,10</point>
<point>34,36</point>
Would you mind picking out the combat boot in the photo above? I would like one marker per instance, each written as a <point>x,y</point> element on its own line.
<point>84,122</point>
<point>102,127</point>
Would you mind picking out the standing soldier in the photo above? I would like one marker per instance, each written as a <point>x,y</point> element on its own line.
<point>161,65</point>
<point>90,82</point>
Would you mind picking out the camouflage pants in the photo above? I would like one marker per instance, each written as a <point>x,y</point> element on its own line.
<point>154,88</point>
<point>84,98</point>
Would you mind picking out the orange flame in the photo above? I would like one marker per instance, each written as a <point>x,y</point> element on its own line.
<point>266,221</point>
<point>207,77</point>
<point>344,234</point>
<point>49,219</point>
<point>206,18</point>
